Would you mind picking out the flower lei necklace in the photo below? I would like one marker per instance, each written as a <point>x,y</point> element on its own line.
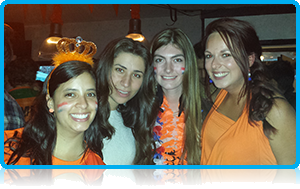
<point>168,135</point>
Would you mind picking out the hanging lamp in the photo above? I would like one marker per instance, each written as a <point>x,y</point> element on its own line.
<point>135,32</point>
<point>48,47</point>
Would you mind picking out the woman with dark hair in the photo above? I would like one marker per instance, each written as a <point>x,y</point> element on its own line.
<point>126,94</point>
<point>64,128</point>
<point>250,123</point>
<point>177,129</point>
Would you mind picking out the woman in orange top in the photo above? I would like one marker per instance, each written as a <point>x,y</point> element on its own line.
<point>250,123</point>
<point>64,128</point>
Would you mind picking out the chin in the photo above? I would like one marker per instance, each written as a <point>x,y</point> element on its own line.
<point>82,128</point>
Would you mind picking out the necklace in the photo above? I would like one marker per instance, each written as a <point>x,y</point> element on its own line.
<point>168,135</point>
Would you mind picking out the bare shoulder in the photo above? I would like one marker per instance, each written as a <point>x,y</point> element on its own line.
<point>280,113</point>
<point>282,117</point>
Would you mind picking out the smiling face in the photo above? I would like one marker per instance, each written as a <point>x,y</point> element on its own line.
<point>75,104</point>
<point>221,66</point>
<point>169,66</point>
<point>127,77</point>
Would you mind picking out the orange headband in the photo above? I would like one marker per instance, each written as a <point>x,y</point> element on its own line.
<point>82,51</point>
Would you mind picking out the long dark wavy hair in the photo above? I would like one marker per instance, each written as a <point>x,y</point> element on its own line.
<point>190,101</point>
<point>242,41</point>
<point>139,113</point>
<point>39,136</point>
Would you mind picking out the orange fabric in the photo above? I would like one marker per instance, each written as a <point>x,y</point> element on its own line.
<point>226,142</point>
<point>91,158</point>
<point>170,130</point>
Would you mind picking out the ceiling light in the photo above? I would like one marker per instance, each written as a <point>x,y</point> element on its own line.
<point>48,47</point>
<point>135,30</point>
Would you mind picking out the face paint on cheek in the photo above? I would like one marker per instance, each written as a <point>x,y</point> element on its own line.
<point>60,107</point>
<point>96,105</point>
<point>182,70</point>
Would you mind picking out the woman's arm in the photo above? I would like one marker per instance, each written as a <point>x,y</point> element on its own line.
<point>282,116</point>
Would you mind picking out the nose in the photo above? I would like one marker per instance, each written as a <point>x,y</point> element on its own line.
<point>168,67</point>
<point>215,63</point>
<point>82,102</point>
<point>126,79</point>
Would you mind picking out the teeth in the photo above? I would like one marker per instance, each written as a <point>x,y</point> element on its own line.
<point>79,116</point>
<point>166,77</point>
<point>123,92</point>
<point>220,74</point>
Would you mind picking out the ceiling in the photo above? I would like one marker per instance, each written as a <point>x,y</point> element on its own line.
<point>32,14</point>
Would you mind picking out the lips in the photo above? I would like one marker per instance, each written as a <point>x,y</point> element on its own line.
<point>80,117</point>
<point>123,93</point>
<point>168,77</point>
<point>220,75</point>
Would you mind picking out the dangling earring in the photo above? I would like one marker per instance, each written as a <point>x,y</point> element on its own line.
<point>249,76</point>
<point>210,81</point>
<point>51,110</point>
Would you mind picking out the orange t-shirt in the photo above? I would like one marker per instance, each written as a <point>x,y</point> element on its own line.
<point>90,158</point>
<point>228,142</point>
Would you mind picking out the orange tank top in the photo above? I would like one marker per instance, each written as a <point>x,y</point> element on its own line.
<point>228,142</point>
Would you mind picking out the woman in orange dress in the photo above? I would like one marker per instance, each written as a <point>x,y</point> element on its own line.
<point>64,128</point>
<point>250,123</point>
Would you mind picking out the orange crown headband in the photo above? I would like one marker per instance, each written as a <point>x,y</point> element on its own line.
<point>70,49</point>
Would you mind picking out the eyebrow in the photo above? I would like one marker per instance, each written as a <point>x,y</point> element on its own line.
<point>71,89</point>
<point>224,50</point>
<point>176,55</point>
<point>126,68</point>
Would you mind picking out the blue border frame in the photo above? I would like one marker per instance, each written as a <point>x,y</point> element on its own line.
<point>141,166</point>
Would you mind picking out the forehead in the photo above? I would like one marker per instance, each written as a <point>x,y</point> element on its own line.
<point>168,49</point>
<point>84,80</point>
<point>215,40</point>
<point>130,61</point>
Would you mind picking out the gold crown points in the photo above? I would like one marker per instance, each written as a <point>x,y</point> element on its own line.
<point>74,49</point>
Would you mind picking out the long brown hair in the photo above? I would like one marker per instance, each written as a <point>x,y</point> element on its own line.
<point>139,113</point>
<point>190,101</point>
<point>242,41</point>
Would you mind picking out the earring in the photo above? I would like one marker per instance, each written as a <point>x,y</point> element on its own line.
<point>51,110</point>
<point>249,76</point>
<point>210,81</point>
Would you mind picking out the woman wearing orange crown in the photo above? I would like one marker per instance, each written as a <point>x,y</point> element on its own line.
<point>63,129</point>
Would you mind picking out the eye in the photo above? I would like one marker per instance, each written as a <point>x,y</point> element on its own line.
<point>92,94</point>
<point>207,56</point>
<point>137,75</point>
<point>69,95</point>
<point>158,60</point>
<point>178,60</point>
<point>119,70</point>
<point>225,55</point>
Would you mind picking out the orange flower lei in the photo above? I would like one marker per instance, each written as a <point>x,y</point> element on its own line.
<point>168,133</point>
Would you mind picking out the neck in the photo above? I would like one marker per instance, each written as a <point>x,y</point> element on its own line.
<point>173,99</point>
<point>69,148</point>
<point>112,104</point>
<point>234,97</point>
